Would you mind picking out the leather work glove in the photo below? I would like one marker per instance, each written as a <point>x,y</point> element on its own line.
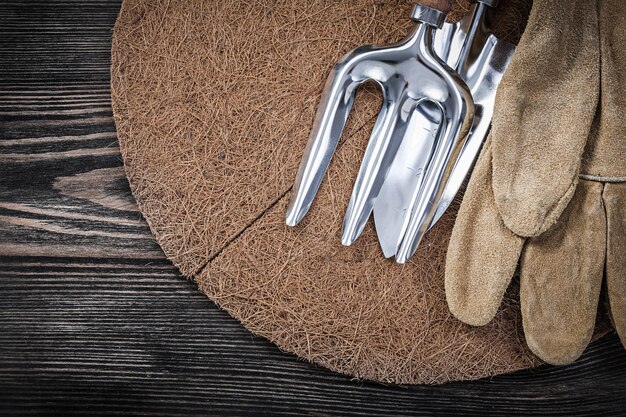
<point>548,192</point>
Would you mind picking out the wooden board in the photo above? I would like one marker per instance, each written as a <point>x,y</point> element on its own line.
<point>94,320</point>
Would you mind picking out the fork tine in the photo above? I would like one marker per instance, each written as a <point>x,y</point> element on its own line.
<point>426,198</point>
<point>330,121</point>
<point>424,206</point>
<point>381,150</point>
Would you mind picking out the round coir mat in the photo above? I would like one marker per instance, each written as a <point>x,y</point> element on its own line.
<point>213,103</point>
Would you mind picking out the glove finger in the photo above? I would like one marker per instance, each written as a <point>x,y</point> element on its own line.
<point>615,201</point>
<point>560,278</point>
<point>482,254</point>
<point>544,109</point>
<point>606,152</point>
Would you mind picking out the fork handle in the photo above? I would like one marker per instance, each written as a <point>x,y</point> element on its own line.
<point>443,6</point>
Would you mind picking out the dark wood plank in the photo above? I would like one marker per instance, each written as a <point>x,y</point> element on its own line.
<point>94,320</point>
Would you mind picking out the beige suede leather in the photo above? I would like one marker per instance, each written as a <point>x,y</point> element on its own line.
<point>615,201</point>
<point>545,107</point>
<point>482,253</point>
<point>606,154</point>
<point>548,193</point>
<point>560,278</point>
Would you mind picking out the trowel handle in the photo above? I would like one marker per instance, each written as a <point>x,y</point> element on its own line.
<point>443,6</point>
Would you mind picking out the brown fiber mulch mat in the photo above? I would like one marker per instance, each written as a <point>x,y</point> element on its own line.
<point>213,103</point>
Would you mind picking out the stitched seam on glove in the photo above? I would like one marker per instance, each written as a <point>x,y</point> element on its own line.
<point>601,178</point>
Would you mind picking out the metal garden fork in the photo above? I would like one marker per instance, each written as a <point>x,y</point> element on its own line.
<point>410,75</point>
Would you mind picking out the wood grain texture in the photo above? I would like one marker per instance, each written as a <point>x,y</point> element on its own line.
<point>94,320</point>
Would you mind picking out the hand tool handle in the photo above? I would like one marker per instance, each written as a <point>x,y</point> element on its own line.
<point>443,6</point>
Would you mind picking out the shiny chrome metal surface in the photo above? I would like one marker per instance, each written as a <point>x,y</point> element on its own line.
<point>404,177</point>
<point>480,59</point>
<point>411,76</point>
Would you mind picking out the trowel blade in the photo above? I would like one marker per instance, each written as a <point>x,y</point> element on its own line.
<point>405,174</point>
